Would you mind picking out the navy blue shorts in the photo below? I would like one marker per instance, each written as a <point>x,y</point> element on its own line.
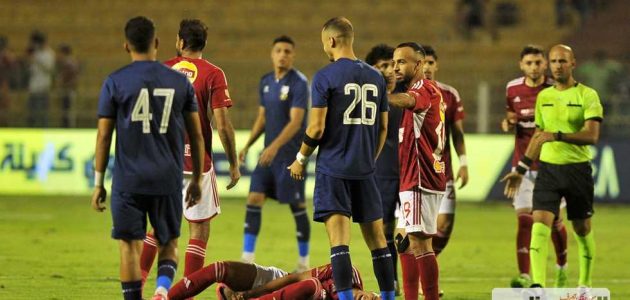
<point>275,182</point>
<point>359,199</point>
<point>389,189</point>
<point>130,211</point>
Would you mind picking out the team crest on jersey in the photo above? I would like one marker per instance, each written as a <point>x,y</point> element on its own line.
<point>284,92</point>
<point>266,89</point>
<point>438,166</point>
<point>187,68</point>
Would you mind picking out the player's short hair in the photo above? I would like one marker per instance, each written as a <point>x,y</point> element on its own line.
<point>341,26</point>
<point>140,32</point>
<point>38,37</point>
<point>429,51</point>
<point>379,52</point>
<point>532,49</point>
<point>283,39</point>
<point>413,45</point>
<point>194,33</point>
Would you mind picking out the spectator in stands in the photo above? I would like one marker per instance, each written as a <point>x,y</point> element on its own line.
<point>7,65</point>
<point>67,78</point>
<point>41,60</point>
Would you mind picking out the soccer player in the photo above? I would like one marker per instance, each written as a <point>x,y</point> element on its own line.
<point>246,281</point>
<point>568,116</point>
<point>149,105</point>
<point>422,167</point>
<point>454,117</point>
<point>380,57</point>
<point>349,124</point>
<point>213,100</point>
<point>282,118</point>
<point>521,103</point>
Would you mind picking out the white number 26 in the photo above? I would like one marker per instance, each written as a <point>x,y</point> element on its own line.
<point>360,96</point>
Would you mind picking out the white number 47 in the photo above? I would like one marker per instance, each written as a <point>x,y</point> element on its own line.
<point>141,109</point>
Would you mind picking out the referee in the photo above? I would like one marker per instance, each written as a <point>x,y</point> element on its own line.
<point>568,117</point>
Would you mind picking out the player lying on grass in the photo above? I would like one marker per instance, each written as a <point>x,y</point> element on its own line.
<point>246,281</point>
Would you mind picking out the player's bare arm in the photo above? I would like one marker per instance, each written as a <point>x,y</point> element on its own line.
<point>288,132</point>
<point>401,100</point>
<point>226,135</point>
<point>257,130</point>
<point>509,122</point>
<point>382,133</point>
<point>193,129</point>
<point>314,133</point>
<point>101,159</point>
<point>589,135</point>
<point>457,134</point>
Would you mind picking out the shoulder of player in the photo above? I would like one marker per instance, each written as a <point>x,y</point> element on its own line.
<point>266,76</point>
<point>585,89</point>
<point>515,82</point>
<point>448,89</point>
<point>299,75</point>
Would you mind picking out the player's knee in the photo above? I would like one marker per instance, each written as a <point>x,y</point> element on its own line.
<point>168,251</point>
<point>445,224</point>
<point>256,199</point>
<point>200,231</point>
<point>419,243</point>
<point>581,227</point>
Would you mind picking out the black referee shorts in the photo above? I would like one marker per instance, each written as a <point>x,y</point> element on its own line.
<point>574,182</point>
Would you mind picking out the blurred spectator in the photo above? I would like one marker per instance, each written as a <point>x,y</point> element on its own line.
<point>41,67</point>
<point>470,15</point>
<point>7,66</point>
<point>67,80</point>
<point>601,73</point>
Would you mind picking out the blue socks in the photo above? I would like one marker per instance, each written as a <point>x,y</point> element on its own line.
<point>252,228</point>
<point>303,229</point>
<point>342,271</point>
<point>165,273</point>
<point>384,271</point>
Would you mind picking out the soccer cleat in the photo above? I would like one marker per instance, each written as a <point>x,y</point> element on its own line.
<point>301,268</point>
<point>521,281</point>
<point>561,277</point>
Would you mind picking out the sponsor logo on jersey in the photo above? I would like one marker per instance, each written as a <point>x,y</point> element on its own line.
<point>187,68</point>
<point>438,166</point>
<point>517,99</point>
<point>284,92</point>
<point>266,89</point>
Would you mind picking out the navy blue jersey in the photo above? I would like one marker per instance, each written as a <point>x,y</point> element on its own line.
<point>387,162</point>
<point>355,95</point>
<point>148,101</point>
<point>278,97</point>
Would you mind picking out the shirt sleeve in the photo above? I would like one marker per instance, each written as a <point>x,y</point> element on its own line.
<point>219,94</point>
<point>190,104</point>
<point>593,109</point>
<point>422,97</point>
<point>300,94</point>
<point>106,101</point>
<point>320,91</point>
<point>509,104</point>
<point>538,119</point>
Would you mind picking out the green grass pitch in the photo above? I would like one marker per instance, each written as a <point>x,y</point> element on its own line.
<point>58,248</point>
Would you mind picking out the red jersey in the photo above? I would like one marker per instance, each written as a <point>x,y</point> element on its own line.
<point>521,100</point>
<point>211,91</point>
<point>421,140</point>
<point>454,112</point>
<point>324,275</point>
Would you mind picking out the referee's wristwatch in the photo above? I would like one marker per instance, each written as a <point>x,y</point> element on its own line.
<point>558,136</point>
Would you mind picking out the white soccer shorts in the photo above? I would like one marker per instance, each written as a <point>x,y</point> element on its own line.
<point>208,207</point>
<point>448,200</point>
<point>525,194</point>
<point>419,211</point>
<point>267,274</point>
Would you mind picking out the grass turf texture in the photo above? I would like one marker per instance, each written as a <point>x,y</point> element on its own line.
<point>58,248</point>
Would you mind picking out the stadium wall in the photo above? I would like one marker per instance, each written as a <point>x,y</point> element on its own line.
<point>59,162</point>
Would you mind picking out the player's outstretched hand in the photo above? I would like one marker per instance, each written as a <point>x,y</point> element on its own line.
<point>98,198</point>
<point>235,175</point>
<point>193,194</point>
<point>507,125</point>
<point>463,175</point>
<point>512,183</point>
<point>267,156</point>
<point>297,170</point>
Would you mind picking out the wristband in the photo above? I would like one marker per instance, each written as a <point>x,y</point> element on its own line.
<point>463,162</point>
<point>311,142</point>
<point>558,136</point>
<point>98,178</point>
<point>523,165</point>
<point>301,159</point>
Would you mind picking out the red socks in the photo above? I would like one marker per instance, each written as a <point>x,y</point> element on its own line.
<point>196,282</point>
<point>410,275</point>
<point>428,267</point>
<point>149,251</point>
<point>523,238</point>
<point>195,256</point>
